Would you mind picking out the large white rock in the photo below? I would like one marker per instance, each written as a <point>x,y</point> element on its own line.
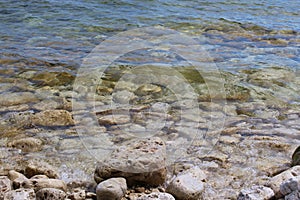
<point>22,193</point>
<point>256,193</point>
<point>114,189</point>
<point>188,185</point>
<point>291,185</point>
<point>277,180</point>
<point>156,196</point>
<point>140,161</point>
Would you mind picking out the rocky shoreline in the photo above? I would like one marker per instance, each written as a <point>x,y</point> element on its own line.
<point>40,181</point>
<point>249,156</point>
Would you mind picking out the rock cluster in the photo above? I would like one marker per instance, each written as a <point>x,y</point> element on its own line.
<point>37,186</point>
<point>285,185</point>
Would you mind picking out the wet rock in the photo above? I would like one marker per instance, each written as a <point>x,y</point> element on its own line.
<point>291,185</point>
<point>255,193</point>
<point>115,119</point>
<point>140,161</point>
<point>53,78</point>
<point>5,186</point>
<point>296,157</point>
<point>16,98</point>
<point>38,184</point>
<point>148,89</point>
<point>39,167</point>
<point>114,188</point>
<point>47,104</point>
<point>53,118</point>
<point>22,193</point>
<point>268,76</point>
<point>77,194</point>
<point>26,144</point>
<point>188,184</point>
<point>277,180</point>
<point>20,119</point>
<point>156,196</point>
<point>50,194</point>
<point>123,97</point>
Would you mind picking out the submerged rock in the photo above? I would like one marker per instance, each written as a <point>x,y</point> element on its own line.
<point>52,78</point>
<point>114,188</point>
<point>140,161</point>
<point>16,98</point>
<point>53,118</point>
<point>26,144</point>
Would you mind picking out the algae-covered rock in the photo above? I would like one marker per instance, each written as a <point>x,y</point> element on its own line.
<point>53,78</point>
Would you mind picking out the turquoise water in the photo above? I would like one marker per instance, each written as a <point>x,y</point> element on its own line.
<point>63,32</point>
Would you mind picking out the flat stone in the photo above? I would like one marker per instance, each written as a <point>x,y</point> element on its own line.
<point>188,184</point>
<point>291,185</point>
<point>50,194</point>
<point>16,98</point>
<point>47,104</point>
<point>114,188</point>
<point>22,193</point>
<point>140,161</point>
<point>39,167</point>
<point>256,193</point>
<point>123,97</point>
<point>38,184</point>
<point>53,118</point>
<point>156,196</point>
<point>5,186</point>
<point>26,144</point>
<point>277,180</point>
<point>116,119</point>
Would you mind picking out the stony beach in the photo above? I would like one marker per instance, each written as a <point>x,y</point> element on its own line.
<point>166,106</point>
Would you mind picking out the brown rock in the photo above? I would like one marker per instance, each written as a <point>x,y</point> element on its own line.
<point>26,144</point>
<point>53,118</point>
<point>38,184</point>
<point>36,167</point>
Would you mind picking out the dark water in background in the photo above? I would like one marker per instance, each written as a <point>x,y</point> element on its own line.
<point>52,32</point>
